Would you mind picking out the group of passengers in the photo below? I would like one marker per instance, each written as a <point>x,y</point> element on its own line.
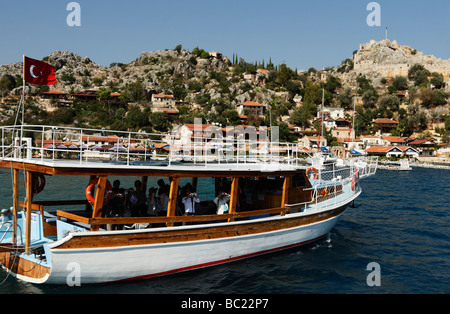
<point>133,202</point>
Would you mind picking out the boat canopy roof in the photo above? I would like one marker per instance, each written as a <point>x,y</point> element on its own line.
<point>73,151</point>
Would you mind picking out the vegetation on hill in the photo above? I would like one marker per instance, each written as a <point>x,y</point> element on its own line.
<point>212,88</point>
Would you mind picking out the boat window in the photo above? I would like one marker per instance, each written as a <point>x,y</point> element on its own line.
<point>299,180</point>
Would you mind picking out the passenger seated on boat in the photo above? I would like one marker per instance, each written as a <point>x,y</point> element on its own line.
<point>141,207</point>
<point>221,202</point>
<point>163,188</point>
<point>163,201</point>
<point>189,202</point>
<point>117,188</point>
<point>131,202</point>
<point>115,208</point>
<point>152,203</point>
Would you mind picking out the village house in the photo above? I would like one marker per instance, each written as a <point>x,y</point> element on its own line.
<point>184,134</point>
<point>334,113</point>
<point>352,144</point>
<point>159,100</point>
<point>90,140</point>
<point>57,96</point>
<point>171,112</point>
<point>53,94</point>
<point>114,98</point>
<point>250,76</point>
<point>343,133</point>
<point>215,55</point>
<point>333,118</point>
<point>384,151</point>
<point>310,142</point>
<point>262,75</point>
<point>392,151</point>
<point>384,124</point>
<point>251,107</point>
<point>371,140</point>
<point>87,95</point>
<point>426,148</point>
<point>394,140</point>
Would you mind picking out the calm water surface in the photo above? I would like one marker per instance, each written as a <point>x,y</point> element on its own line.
<point>401,222</point>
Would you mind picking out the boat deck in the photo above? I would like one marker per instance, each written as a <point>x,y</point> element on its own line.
<point>54,150</point>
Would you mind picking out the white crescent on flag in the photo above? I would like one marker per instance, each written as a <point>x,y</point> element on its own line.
<point>31,71</point>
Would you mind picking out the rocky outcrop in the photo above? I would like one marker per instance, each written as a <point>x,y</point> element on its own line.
<point>389,59</point>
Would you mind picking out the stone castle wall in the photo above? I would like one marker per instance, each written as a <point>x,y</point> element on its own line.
<point>389,59</point>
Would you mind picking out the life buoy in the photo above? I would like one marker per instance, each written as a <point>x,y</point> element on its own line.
<point>355,180</point>
<point>89,191</point>
<point>315,170</point>
<point>38,183</point>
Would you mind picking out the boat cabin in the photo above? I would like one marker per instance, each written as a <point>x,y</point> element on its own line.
<point>250,194</point>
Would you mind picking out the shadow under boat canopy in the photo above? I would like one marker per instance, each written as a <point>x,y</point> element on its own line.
<point>292,187</point>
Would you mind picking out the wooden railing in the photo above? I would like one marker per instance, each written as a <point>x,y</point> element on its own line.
<point>171,220</point>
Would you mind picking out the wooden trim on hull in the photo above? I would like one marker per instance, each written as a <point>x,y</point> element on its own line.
<point>119,239</point>
<point>22,267</point>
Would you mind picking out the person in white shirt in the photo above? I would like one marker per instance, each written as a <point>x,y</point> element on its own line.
<point>221,202</point>
<point>189,202</point>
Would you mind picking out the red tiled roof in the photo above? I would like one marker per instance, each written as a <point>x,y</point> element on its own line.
<point>168,110</point>
<point>316,138</point>
<point>251,104</point>
<point>394,139</point>
<point>384,120</point>
<point>379,149</point>
<point>163,96</point>
<point>370,136</point>
<point>421,142</point>
<point>53,92</point>
<point>197,126</point>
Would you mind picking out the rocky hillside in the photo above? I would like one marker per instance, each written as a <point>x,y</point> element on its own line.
<point>158,72</point>
<point>212,86</point>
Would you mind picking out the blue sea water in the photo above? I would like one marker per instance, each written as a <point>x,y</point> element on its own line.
<point>401,222</point>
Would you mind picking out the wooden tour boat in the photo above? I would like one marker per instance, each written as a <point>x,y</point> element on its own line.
<point>275,203</point>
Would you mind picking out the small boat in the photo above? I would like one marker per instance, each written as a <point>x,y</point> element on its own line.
<point>274,204</point>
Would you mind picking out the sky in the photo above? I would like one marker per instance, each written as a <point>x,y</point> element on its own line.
<point>300,33</point>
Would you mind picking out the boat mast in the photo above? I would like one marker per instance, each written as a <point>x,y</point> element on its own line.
<point>15,204</point>
<point>353,124</point>
<point>29,199</point>
<point>323,99</point>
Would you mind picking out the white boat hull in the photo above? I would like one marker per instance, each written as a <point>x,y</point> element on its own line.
<point>99,265</point>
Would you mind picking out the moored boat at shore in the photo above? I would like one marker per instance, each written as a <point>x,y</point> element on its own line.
<point>273,205</point>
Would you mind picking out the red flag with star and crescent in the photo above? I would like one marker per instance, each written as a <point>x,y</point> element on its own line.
<point>39,72</point>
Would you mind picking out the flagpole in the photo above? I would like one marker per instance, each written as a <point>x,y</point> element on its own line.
<point>23,106</point>
<point>23,91</point>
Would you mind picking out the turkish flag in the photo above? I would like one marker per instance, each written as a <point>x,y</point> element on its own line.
<point>39,72</point>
